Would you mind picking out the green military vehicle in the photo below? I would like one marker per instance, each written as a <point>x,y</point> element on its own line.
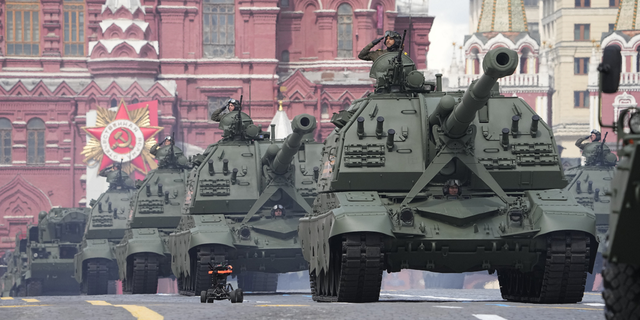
<point>416,178</point>
<point>95,265</point>
<point>43,262</point>
<point>16,262</point>
<point>243,204</point>
<point>621,273</point>
<point>143,255</point>
<point>590,185</point>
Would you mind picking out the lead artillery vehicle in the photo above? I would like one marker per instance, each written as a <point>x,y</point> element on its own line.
<point>381,202</point>
<point>43,262</point>
<point>590,185</point>
<point>228,214</point>
<point>96,264</point>
<point>143,254</point>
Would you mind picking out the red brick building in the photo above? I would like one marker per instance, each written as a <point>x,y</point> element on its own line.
<point>61,59</point>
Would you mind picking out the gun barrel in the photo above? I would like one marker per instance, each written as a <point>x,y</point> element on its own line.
<point>498,63</point>
<point>301,125</point>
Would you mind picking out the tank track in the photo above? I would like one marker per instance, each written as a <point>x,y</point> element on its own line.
<point>563,277</point>
<point>144,276</point>
<point>97,278</point>
<point>621,291</point>
<point>355,270</point>
<point>199,280</point>
<point>34,288</point>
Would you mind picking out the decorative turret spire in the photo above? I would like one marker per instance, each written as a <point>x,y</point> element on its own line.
<point>453,69</point>
<point>627,15</point>
<point>502,16</point>
<point>282,122</point>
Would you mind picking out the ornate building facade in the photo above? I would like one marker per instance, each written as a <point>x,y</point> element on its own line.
<point>503,23</point>
<point>61,59</point>
<point>625,35</point>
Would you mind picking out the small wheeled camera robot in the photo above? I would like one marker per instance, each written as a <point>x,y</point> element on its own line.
<point>220,289</point>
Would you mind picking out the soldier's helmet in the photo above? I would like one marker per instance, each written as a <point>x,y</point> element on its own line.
<point>277,207</point>
<point>597,133</point>
<point>234,102</point>
<point>395,36</point>
<point>451,183</point>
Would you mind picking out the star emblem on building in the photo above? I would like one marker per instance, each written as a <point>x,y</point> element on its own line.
<point>122,136</point>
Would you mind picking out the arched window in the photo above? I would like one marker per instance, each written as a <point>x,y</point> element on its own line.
<point>476,61</point>
<point>638,59</point>
<point>5,141</point>
<point>524,60</point>
<point>324,110</point>
<point>346,104</point>
<point>114,103</point>
<point>284,57</point>
<point>218,29</point>
<point>35,141</point>
<point>134,101</point>
<point>345,34</point>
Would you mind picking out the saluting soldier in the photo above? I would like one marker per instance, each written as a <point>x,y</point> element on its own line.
<point>391,39</point>
<point>229,106</point>
<point>165,142</point>
<point>593,137</point>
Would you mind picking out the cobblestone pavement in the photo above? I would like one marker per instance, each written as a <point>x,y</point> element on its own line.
<point>472,304</point>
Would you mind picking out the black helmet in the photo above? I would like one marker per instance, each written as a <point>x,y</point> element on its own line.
<point>597,133</point>
<point>277,207</point>
<point>396,36</point>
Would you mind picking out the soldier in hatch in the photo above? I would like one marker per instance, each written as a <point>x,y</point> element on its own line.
<point>229,106</point>
<point>593,137</point>
<point>165,142</point>
<point>277,211</point>
<point>451,188</point>
<point>391,39</point>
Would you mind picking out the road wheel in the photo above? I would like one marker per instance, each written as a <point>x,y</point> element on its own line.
<point>621,291</point>
<point>239,295</point>
<point>232,296</point>
<point>203,297</point>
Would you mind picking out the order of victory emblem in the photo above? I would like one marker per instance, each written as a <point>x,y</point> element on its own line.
<point>123,135</point>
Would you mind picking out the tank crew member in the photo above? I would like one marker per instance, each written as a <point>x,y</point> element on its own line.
<point>593,137</point>
<point>451,188</point>
<point>392,40</point>
<point>229,106</point>
<point>277,211</point>
<point>165,142</point>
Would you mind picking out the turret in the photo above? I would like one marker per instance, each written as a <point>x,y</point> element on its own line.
<point>498,63</point>
<point>301,125</point>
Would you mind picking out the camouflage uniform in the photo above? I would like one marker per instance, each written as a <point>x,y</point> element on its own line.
<point>368,55</point>
<point>218,114</point>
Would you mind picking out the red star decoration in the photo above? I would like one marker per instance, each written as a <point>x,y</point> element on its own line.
<point>147,132</point>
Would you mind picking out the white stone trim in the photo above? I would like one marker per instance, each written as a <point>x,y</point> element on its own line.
<point>65,165</point>
<point>123,24</point>
<point>20,122</point>
<point>19,162</point>
<point>56,122</point>
<point>177,7</point>
<point>233,60</point>
<point>66,159</point>
<point>218,76</point>
<point>67,140</point>
<point>19,146</point>
<point>111,44</point>
<point>259,9</point>
<point>22,69</point>
<point>45,75</point>
<point>51,146</point>
<point>52,161</point>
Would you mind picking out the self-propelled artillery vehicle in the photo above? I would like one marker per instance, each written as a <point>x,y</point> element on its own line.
<point>382,202</point>
<point>590,185</point>
<point>96,265</point>
<point>243,205</point>
<point>154,212</point>
<point>44,260</point>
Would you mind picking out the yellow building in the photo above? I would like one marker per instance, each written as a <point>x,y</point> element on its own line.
<point>567,28</point>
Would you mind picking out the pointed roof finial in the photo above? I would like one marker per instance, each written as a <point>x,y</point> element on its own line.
<point>279,105</point>
<point>131,5</point>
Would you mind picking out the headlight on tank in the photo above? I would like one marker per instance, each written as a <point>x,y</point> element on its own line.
<point>244,233</point>
<point>35,255</point>
<point>406,217</point>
